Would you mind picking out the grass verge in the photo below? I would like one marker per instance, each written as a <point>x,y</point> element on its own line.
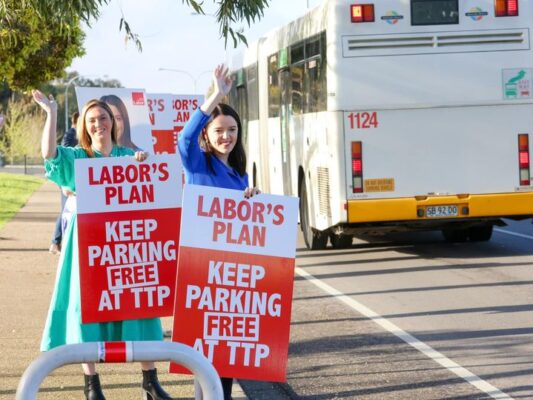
<point>14,193</point>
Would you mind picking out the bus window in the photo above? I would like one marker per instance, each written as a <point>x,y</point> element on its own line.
<point>312,48</point>
<point>297,77</point>
<point>321,87</point>
<point>273,86</point>
<point>232,97</point>
<point>315,76</point>
<point>311,81</point>
<point>434,12</point>
<point>241,104</point>
<point>252,89</point>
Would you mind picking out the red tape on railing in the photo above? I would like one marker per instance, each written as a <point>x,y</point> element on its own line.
<point>112,352</point>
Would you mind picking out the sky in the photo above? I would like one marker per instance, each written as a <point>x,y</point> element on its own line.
<point>172,37</point>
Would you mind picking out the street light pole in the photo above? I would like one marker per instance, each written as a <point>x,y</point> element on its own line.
<point>66,99</point>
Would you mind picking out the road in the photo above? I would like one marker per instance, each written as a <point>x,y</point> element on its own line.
<point>409,316</point>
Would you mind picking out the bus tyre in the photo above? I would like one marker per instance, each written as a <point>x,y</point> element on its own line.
<point>340,241</point>
<point>480,233</point>
<point>455,235</point>
<point>314,239</point>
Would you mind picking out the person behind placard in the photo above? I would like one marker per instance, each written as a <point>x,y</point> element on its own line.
<point>97,138</point>
<point>69,140</point>
<point>212,152</point>
<point>122,119</point>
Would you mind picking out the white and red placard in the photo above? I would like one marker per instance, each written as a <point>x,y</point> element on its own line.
<point>235,280</point>
<point>128,217</point>
<point>136,111</point>
<point>168,114</point>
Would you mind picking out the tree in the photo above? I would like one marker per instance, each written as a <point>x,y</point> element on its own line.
<point>33,49</point>
<point>229,12</point>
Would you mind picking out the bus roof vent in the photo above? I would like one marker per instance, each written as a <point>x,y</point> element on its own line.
<point>435,42</point>
<point>323,191</point>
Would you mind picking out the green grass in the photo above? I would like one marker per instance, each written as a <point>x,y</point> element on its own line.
<point>14,193</point>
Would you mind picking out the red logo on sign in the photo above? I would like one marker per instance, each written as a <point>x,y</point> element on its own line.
<point>137,98</point>
<point>164,141</point>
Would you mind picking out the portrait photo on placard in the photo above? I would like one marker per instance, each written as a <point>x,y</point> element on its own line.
<point>130,112</point>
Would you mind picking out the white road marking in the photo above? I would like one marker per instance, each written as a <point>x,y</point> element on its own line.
<point>430,352</point>
<point>514,234</point>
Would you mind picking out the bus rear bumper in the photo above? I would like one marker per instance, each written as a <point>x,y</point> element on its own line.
<point>426,208</point>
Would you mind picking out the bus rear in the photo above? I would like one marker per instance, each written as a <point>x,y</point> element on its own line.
<point>434,101</point>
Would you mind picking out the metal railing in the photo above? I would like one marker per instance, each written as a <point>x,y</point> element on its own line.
<point>120,352</point>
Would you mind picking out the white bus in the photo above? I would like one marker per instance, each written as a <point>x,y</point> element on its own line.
<point>394,115</point>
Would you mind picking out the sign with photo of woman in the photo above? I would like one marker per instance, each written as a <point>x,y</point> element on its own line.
<point>130,110</point>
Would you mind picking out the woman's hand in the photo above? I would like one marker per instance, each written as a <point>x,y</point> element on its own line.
<point>48,139</point>
<point>222,80</point>
<point>48,104</point>
<point>250,192</point>
<point>141,155</point>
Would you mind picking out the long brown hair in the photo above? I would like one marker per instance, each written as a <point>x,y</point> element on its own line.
<point>119,104</point>
<point>84,139</point>
<point>237,157</point>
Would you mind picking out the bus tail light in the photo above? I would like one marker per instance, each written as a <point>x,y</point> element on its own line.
<point>357,167</point>
<point>362,12</point>
<point>523,158</point>
<point>506,8</point>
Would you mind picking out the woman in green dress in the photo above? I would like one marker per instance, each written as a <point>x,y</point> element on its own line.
<point>97,137</point>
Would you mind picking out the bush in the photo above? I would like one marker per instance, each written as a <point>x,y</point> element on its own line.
<point>21,135</point>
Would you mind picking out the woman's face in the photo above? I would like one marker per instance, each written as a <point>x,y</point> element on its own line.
<point>222,135</point>
<point>98,124</point>
<point>119,121</point>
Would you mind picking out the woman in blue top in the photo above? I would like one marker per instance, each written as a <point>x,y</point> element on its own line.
<point>97,134</point>
<point>212,152</point>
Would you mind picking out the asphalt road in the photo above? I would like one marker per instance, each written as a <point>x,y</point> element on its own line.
<point>409,316</point>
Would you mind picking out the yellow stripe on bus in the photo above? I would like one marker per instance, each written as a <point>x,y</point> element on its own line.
<point>469,206</point>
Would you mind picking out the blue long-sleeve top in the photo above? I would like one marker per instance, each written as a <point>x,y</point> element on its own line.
<point>195,162</point>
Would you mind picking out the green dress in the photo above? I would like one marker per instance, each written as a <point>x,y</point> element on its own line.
<point>63,324</point>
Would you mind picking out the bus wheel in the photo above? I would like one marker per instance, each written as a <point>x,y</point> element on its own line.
<point>455,235</point>
<point>340,241</point>
<point>480,233</point>
<point>314,239</point>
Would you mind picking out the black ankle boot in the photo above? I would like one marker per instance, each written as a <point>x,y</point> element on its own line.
<point>152,390</point>
<point>93,390</point>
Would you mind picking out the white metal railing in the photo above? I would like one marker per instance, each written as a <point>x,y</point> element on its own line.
<point>119,352</point>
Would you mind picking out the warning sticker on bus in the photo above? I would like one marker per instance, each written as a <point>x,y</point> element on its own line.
<point>379,185</point>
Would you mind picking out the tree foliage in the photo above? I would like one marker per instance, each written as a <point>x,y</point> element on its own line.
<point>34,49</point>
<point>229,13</point>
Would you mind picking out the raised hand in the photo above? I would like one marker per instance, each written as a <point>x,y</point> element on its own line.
<point>222,82</point>
<point>48,140</point>
<point>48,104</point>
<point>222,79</point>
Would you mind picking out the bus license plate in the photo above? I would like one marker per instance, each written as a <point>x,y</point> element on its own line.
<point>441,211</point>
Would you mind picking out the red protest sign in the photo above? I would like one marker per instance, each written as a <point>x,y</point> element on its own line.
<point>128,234</point>
<point>168,114</point>
<point>235,281</point>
